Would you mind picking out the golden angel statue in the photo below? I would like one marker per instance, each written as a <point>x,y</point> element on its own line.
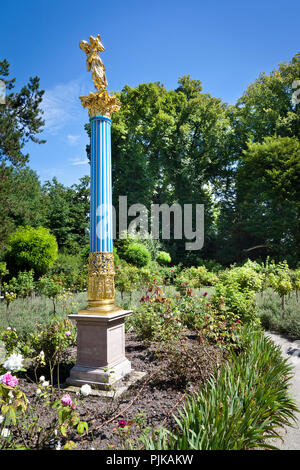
<point>93,61</point>
<point>100,102</point>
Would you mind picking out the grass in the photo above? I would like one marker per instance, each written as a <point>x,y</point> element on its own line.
<point>274,318</point>
<point>24,314</point>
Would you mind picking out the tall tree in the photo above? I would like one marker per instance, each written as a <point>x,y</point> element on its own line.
<point>20,200</point>
<point>20,117</point>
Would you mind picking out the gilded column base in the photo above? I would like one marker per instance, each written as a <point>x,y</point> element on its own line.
<point>100,307</point>
<point>101,286</point>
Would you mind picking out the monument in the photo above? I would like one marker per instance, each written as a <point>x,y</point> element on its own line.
<point>101,357</point>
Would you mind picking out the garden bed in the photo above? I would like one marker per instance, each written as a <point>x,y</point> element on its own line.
<point>150,402</point>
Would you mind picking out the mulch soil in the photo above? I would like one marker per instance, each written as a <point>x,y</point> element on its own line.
<point>158,395</point>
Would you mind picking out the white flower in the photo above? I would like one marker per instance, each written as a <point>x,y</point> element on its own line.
<point>45,384</point>
<point>42,378</point>
<point>5,432</point>
<point>58,447</point>
<point>85,390</point>
<point>42,354</point>
<point>38,391</point>
<point>1,419</point>
<point>14,362</point>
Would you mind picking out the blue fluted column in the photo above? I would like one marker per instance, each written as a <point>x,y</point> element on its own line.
<point>101,228</point>
<point>101,285</point>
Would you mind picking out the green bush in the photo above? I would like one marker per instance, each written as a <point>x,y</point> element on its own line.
<point>137,254</point>
<point>52,288</point>
<point>126,278</point>
<point>231,299</point>
<point>24,283</point>
<point>210,265</point>
<point>196,277</point>
<point>240,408</point>
<point>52,341</point>
<point>163,258</point>
<point>31,248</point>
<point>244,277</point>
<point>72,270</point>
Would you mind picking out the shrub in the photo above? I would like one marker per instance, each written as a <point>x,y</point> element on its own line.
<point>163,258</point>
<point>3,272</point>
<point>244,277</point>
<point>126,278</point>
<point>137,254</point>
<point>52,341</point>
<point>71,270</point>
<point>231,299</point>
<point>24,283</point>
<point>196,277</point>
<point>52,288</point>
<point>210,265</point>
<point>31,248</point>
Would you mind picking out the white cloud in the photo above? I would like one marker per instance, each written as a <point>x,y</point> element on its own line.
<point>61,104</point>
<point>79,161</point>
<point>73,139</point>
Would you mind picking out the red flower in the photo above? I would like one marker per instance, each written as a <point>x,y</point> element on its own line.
<point>205,294</point>
<point>122,423</point>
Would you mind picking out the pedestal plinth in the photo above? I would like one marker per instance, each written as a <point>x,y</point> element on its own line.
<point>101,357</point>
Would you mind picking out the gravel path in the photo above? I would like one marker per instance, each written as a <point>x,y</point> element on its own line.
<point>291,350</point>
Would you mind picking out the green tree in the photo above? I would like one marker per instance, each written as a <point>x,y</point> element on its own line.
<point>170,147</point>
<point>66,213</point>
<point>266,109</point>
<point>31,248</point>
<point>20,200</point>
<point>20,117</point>
<point>268,197</point>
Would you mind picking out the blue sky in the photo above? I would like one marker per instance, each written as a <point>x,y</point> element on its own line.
<point>225,44</point>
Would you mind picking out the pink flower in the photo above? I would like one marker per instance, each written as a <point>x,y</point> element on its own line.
<point>238,321</point>
<point>66,400</point>
<point>9,380</point>
<point>40,278</point>
<point>172,270</point>
<point>68,333</point>
<point>122,423</point>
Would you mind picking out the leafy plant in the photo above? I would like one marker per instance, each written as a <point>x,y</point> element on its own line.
<point>163,258</point>
<point>31,248</point>
<point>137,254</point>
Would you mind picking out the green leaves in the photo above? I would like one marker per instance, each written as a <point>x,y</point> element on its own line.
<point>20,118</point>
<point>32,248</point>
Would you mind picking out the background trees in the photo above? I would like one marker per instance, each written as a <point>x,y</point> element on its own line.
<point>173,146</point>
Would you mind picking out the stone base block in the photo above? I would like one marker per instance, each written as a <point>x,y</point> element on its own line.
<point>114,393</point>
<point>103,377</point>
<point>101,357</point>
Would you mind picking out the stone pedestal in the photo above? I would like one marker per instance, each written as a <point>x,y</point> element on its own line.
<point>101,357</point>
